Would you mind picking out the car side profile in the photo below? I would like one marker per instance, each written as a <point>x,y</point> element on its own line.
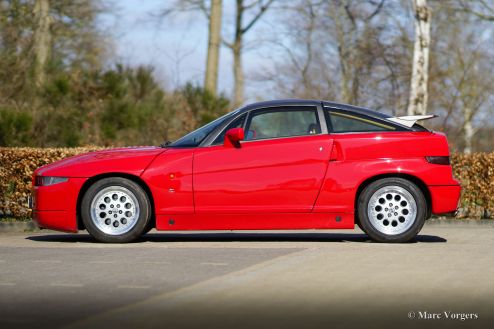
<point>286,164</point>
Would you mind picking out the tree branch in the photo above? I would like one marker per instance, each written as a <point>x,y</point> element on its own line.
<point>259,15</point>
<point>486,17</point>
<point>378,9</point>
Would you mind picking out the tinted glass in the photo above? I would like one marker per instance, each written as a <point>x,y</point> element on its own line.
<point>283,122</point>
<point>237,123</point>
<point>343,122</point>
<point>196,137</point>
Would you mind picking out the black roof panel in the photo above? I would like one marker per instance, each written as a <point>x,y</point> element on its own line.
<point>294,102</point>
<point>356,109</point>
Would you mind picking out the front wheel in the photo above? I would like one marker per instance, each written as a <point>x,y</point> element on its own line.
<point>115,210</point>
<point>392,210</point>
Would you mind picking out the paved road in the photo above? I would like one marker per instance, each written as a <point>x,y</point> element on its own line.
<point>243,280</point>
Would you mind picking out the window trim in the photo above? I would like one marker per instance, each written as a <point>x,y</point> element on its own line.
<point>285,108</point>
<point>207,142</point>
<point>220,131</point>
<point>360,117</point>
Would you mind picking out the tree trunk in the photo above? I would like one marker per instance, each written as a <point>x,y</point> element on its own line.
<point>420,67</point>
<point>238,74</point>
<point>211,79</point>
<point>237,45</point>
<point>468,130</point>
<point>41,40</point>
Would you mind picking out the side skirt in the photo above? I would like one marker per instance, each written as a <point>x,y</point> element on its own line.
<point>268,221</point>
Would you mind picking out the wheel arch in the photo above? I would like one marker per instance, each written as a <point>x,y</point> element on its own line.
<point>414,179</point>
<point>136,179</point>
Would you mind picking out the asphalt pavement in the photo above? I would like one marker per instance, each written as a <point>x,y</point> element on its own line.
<point>298,279</point>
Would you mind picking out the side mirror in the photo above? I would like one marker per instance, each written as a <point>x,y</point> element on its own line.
<point>233,137</point>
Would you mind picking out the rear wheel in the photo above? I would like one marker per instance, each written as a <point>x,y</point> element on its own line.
<point>115,210</point>
<point>392,210</point>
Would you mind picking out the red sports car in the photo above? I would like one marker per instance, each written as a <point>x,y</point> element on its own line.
<point>288,164</point>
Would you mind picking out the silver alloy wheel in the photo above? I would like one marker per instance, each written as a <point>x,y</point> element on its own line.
<point>392,210</point>
<point>114,210</point>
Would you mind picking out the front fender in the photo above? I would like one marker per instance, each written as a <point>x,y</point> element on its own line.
<point>131,161</point>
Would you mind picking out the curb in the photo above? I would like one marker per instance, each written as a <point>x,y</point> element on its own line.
<point>13,227</point>
<point>30,226</point>
<point>452,222</point>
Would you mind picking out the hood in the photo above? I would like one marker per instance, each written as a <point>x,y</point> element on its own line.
<point>130,160</point>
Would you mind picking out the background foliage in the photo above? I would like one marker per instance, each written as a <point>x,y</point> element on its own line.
<point>358,52</point>
<point>84,97</point>
<point>61,84</point>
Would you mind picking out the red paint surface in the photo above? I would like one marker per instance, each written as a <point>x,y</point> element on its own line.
<point>55,206</point>
<point>171,170</point>
<point>286,183</point>
<point>260,221</point>
<point>131,160</point>
<point>445,198</point>
<point>278,175</point>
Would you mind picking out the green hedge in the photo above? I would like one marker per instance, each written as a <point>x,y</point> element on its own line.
<point>475,171</point>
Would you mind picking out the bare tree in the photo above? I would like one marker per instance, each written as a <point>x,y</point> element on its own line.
<point>353,32</point>
<point>346,50</point>
<point>461,86</point>
<point>299,68</point>
<point>473,91</point>
<point>479,8</point>
<point>41,40</point>
<point>236,46</point>
<point>211,78</point>
<point>212,11</point>
<point>420,67</point>
<point>245,9</point>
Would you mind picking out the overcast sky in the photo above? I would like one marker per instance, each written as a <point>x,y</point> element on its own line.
<point>176,46</point>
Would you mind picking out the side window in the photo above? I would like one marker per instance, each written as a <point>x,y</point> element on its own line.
<point>237,123</point>
<point>283,122</point>
<point>343,122</point>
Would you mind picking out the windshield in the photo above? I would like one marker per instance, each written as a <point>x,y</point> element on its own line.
<point>196,137</point>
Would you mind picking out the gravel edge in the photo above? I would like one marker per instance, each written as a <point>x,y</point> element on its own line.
<point>24,226</point>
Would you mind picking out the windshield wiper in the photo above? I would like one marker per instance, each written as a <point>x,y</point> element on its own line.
<point>165,144</point>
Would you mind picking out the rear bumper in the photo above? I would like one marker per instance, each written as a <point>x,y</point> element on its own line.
<point>445,198</point>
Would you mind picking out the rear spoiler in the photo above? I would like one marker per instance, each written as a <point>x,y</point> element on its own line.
<point>410,120</point>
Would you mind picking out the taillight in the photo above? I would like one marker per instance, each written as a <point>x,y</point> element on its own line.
<point>440,160</point>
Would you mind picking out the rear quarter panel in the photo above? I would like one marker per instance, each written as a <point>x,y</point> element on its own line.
<point>357,157</point>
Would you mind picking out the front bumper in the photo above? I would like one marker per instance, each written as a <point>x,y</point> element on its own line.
<point>55,206</point>
<point>55,220</point>
<point>445,198</point>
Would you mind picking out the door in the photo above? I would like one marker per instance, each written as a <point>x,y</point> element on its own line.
<point>279,167</point>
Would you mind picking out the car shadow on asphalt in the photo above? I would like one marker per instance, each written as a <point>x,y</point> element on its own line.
<point>234,237</point>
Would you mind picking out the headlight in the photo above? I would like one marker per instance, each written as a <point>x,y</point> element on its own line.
<point>46,181</point>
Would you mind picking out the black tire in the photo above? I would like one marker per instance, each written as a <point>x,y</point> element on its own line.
<point>149,228</point>
<point>357,221</point>
<point>374,228</point>
<point>139,224</point>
